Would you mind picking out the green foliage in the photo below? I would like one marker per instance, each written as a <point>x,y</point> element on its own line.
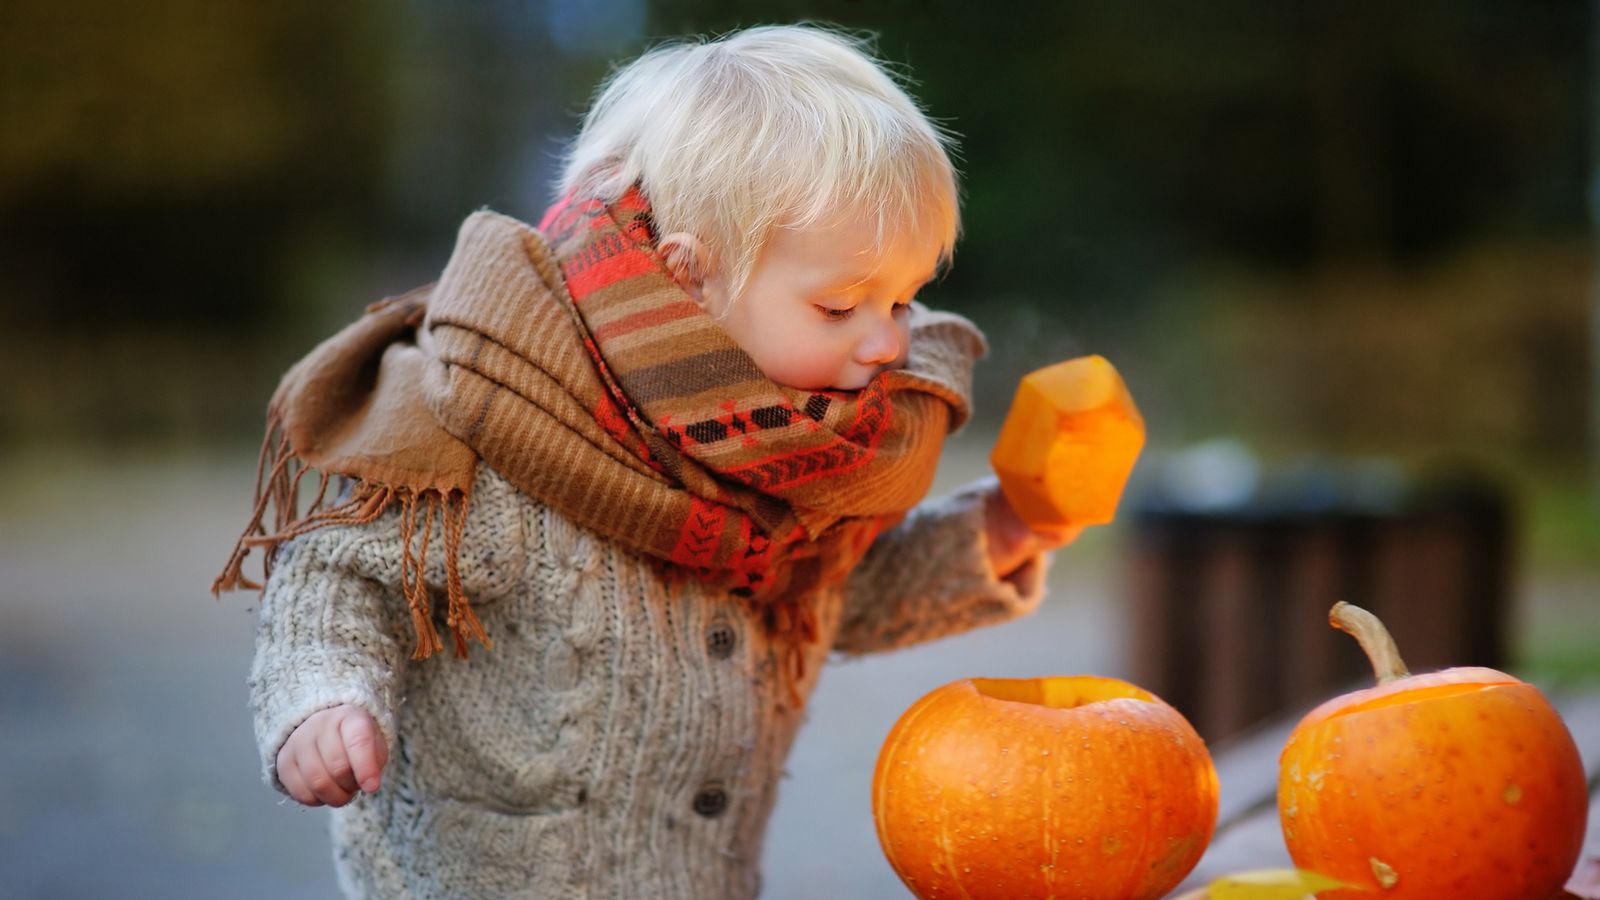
<point>1480,356</point>
<point>1110,145</point>
<point>121,99</point>
<point>1346,227</point>
<point>160,156</point>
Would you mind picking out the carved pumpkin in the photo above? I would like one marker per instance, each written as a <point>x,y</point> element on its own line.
<point>1071,787</point>
<point>1068,444</point>
<point>1459,783</point>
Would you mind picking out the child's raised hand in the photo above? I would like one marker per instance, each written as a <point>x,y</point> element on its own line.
<point>333,754</point>
<point>1063,457</point>
<point>1012,541</point>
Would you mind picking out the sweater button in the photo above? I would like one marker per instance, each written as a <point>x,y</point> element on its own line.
<point>720,640</point>
<point>711,800</point>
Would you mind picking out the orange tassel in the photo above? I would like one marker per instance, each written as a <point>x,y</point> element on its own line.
<point>414,584</point>
<point>462,620</point>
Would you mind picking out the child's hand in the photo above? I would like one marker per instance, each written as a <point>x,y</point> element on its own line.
<point>1011,541</point>
<point>332,755</point>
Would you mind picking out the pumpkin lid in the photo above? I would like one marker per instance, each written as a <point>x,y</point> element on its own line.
<point>1410,689</point>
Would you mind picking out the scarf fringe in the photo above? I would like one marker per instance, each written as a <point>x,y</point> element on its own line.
<point>278,474</point>
<point>792,624</point>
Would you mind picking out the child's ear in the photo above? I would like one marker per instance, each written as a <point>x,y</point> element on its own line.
<point>687,262</point>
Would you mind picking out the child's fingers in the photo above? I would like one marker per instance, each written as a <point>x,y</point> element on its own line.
<point>330,776</point>
<point>365,748</point>
<point>321,784</point>
<point>1059,536</point>
<point>318,763</point>
<point>294,782</point>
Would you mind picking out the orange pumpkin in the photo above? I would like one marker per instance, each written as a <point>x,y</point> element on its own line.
<point>1069,787</point>
<point>1460,783</point>
<point>1068,444</point>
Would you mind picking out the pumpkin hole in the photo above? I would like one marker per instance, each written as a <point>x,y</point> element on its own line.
<point>1059,693</point>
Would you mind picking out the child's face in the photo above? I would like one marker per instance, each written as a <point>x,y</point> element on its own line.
<point>826,307</point>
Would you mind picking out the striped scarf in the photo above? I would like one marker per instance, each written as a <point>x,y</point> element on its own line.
<point>568,361</point>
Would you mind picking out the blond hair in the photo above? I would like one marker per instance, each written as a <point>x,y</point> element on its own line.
<point>778,126</point>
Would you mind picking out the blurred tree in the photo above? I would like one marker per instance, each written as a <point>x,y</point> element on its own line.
<point>180,181</point>
<point>161,157</point>
<point>485,95</point>
<point>1102,137</point>
<point>1120,157</point>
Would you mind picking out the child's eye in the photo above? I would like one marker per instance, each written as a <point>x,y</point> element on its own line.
<point>835,315</point>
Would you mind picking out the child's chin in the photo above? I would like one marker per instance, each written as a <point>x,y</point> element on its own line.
<point>863,382</point>
<point>822,386</point>
<point>851,386</point>
<point>854,384</point>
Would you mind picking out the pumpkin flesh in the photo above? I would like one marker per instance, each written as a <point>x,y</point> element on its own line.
<point>1068,444</point>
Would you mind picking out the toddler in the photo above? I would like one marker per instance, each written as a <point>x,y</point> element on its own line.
<point>659,457</point>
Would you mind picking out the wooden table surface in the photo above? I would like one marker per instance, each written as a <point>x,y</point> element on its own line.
<point>1248,836</point>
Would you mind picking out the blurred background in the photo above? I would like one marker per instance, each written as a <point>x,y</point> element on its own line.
<point>1341,253</point>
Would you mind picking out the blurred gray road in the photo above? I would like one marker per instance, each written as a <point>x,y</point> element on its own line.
<point>127,764</point>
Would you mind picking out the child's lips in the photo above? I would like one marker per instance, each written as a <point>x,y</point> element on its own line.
<point>891,367</point>
<point>898,364</point>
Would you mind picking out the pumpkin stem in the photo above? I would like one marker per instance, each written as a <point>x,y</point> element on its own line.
<point>1374,639</point>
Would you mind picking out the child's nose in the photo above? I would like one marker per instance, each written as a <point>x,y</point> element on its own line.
<point>883,345</point>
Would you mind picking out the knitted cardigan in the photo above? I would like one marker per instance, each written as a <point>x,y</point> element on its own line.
<point>625,736</point>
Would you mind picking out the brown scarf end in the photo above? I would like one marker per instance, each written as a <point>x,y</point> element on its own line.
<point>792,623</point>
<point>417,513</point>
<point>462,621</point>
<point>233,577</point>
<point>795,673</point>
<point>278,475</point>
<point>464,624</point>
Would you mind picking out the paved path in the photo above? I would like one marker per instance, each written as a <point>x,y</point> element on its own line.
<point>127,764</point>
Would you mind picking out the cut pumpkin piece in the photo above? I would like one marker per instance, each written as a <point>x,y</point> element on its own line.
<point>1068,444</point>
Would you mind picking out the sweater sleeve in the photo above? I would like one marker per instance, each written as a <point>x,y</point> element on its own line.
<point>327,635</point>
<point>930,577</point>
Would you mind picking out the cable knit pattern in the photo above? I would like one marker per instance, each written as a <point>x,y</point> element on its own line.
<point>624,738</point>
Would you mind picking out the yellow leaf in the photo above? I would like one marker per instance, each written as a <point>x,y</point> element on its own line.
<point>1272,884</point>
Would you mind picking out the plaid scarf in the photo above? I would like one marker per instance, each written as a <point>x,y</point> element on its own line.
<point>568,361</point>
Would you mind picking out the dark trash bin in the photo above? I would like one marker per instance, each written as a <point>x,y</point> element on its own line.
<point>1230,602</point>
